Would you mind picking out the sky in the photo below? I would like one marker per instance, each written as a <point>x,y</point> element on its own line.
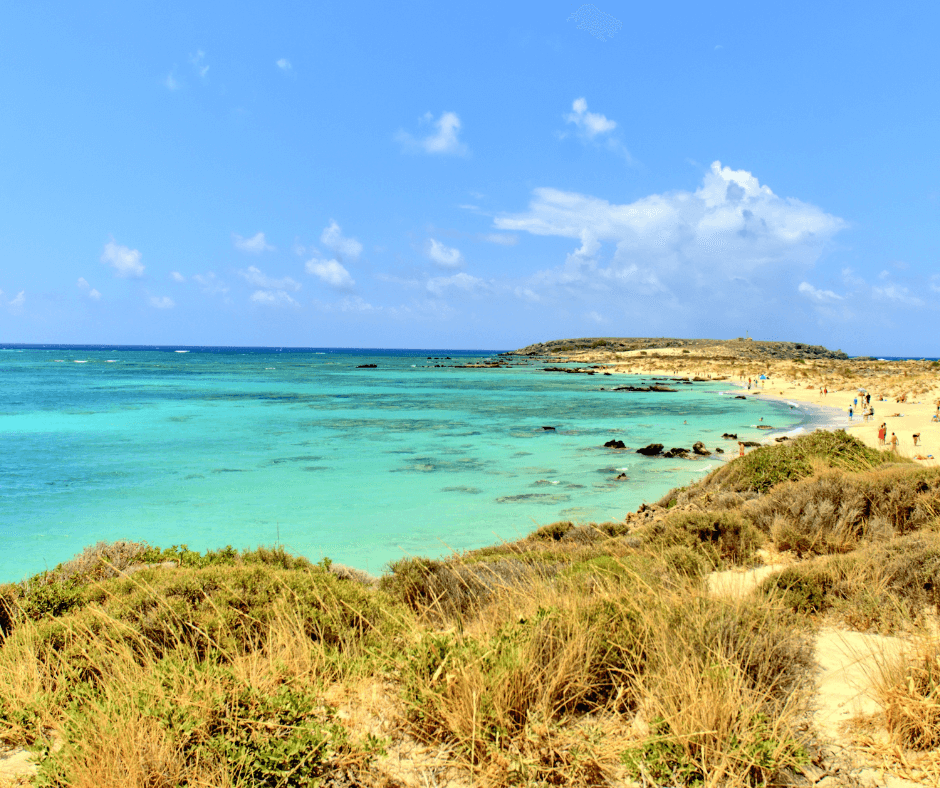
<point>436,175</point>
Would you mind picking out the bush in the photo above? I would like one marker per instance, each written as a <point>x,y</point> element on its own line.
<point>793,460</point>
<point>836,512</point>
<point>722,539</point>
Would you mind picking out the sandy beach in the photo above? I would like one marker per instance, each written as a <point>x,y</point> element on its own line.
<point>904,394</point>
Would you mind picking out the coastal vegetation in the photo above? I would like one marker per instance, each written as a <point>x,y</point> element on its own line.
<point>584,654</point>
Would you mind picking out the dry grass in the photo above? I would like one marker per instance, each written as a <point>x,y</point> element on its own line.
<point>510,690</point>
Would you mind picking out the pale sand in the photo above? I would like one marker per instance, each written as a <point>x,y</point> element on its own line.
<point>802,381</point>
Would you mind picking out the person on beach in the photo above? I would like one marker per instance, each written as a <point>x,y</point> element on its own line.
<point>894,443</point>
<point>881,434</point>
<point>850,413</point>
<point>741,449</point>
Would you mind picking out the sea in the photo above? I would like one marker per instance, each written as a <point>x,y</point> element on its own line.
<point>363,456</point>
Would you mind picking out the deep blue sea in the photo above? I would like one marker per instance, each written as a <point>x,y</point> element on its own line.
<point>248,446</point>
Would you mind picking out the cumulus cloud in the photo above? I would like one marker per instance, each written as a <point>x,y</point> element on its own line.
<point>273,298</point>
<point>461,282</point>
<point>284,64</point>
<point>443,141</point>
<point>124,260</point>
<point>170,82</point>
<point>176,276</point>
<point>443,256</point>
<point>19,300</point>
<point>589,123</point>
<point>330,271</point>
<point>817,295</point>
<point>254,245</point>
<point>255,278</point>
<point>347,248</point>
<point>731,229</point>
<point>592,127</point>
<point>87,289</point>
<point>162,302</point>
<point>210,284</point>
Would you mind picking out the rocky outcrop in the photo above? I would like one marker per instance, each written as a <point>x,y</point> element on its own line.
<point>699,448</point>
<point>652,450</point>
<point>677,452</point>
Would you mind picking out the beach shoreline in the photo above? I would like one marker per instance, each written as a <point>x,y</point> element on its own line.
<point>905,394</point>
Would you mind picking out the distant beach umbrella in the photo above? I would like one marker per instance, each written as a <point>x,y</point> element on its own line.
<point>762,377</point>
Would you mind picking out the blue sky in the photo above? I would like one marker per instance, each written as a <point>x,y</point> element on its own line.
<point>482,176</point>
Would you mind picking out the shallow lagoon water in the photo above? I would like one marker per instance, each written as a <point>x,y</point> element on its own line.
<point>303,448</point>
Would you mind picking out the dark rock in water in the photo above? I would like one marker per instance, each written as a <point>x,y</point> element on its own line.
<point>750,444</point>
<point>719,450</point>
<point>764,427</point>
<point>731,436</point>
<point>552,429</point>
<point>367,366</point>
<point>652,450</point>
<point>781,439</point>
<point>622,476</point>
<point>740,396</point>
<point>661,388</point>
<point>677,452</point>
<point>699,448</point>
<point>615,444</point>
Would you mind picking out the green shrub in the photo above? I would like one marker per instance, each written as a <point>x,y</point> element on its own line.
<point>720,538</point>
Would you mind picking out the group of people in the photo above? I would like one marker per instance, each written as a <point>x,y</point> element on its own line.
<point>882,437</point>
<point>868,412</point>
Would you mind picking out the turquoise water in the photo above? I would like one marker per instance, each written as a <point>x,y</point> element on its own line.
<point>302,448</point>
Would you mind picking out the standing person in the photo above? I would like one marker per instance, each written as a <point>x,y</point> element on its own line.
<point>881,434</point>
<point>850,413</point>
<point>894,443</point>
<point>825,391</point>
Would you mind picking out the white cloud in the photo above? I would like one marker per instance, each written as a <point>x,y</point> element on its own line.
<point>176,276</point>
<point>87,288</point>
<point>347,248</point>
<point>273,298</point>
<point>595,128</point>
<point>19,300</point>
<point>198,61</point>
<point>503,239</point>
<point>170,82</point>
<point>162,302</point>
<point>820,296</point>
<point>589,123</point>
<point>595,317</point>
<point>255,278</point>
<point>896,293</point>
<point>330,271</point>
<point>935,283</point>
<point>284,64</point>
<point>254,245</point>
<point>124,260</point>
<point>731,229</point>
<point>443,141</point>
<point>462,281</point>
<point>443,256</point>
<point>210,283</point>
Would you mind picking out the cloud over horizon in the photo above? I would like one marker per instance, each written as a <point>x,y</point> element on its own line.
<point>730,231</point>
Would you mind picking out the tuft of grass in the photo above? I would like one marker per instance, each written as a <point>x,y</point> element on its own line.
<point>908,688</point>
<point>719,539</point>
